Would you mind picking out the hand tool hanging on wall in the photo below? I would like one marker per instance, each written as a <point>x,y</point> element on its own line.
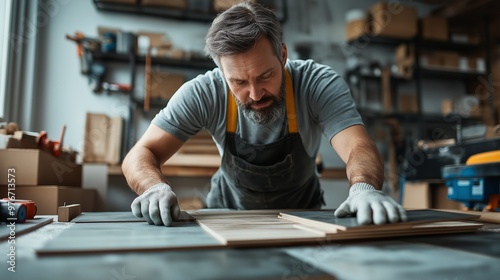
<point>85,46</point>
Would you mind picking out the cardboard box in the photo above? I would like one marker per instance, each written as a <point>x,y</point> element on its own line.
<point>103,138</point>
<point>37,167</point>
<point>449,59</point>
<point>393,20</point>
<point>408,103</point>
<point>439,198</point>
<point>49,198</point>
<point>423,195</point>
<point>405,60</point>
<point>445,60</point>
<point>165,84</point>
<point>434,28</point>
<point>447,107</point>
<point>416,195</point>
<point>356,29</point>
<point>129,2</point>
<point>178,4</point>
<point>221,5</point>
<point>151,39</point>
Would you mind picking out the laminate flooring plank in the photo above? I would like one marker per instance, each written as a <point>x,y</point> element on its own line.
<point>220,264</point>
<point>240,228</point>
<point>327,221</point>
<point>19,229</point>
<point>251,228</point>
<point>127,237</point>
<point>487,217</point>
<point>123,216</point>
<point>424,229</point>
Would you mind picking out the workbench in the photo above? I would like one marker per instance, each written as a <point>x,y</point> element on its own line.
<point>450,256</point>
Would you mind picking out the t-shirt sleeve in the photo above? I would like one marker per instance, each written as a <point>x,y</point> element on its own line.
<point>187,112</point>
<point>331,103</point>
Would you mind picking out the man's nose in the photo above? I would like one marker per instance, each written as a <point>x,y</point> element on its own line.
<point>256,92</point>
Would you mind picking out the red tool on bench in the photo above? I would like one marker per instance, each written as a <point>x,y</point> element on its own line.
<point>54,147</point>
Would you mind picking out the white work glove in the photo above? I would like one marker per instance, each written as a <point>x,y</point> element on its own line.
<point>371,205</point>
<point>158,205</point>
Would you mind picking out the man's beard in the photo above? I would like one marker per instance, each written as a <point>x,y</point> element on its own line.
<point>270,113</point>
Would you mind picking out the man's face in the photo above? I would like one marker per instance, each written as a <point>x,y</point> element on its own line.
<point>257,81</point>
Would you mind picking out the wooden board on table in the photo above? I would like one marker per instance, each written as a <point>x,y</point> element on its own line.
<point>327,221</point>
<point>219,229</point>
<point>114,217</point>
<point>420,229</point>
<point>87,238</point>
<point>264,227</point>
<point>28,226</point>
<point>487,217</point>
<point>243,228</point>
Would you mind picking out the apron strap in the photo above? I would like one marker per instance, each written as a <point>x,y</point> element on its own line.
<point>232,113</point>
<point>290,105</point>
<point>232,110</point>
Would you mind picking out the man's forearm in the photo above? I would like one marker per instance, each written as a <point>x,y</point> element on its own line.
<point>365,165</point>
<point>142,170</point>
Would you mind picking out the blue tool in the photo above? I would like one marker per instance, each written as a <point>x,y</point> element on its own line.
<point>477,185</point>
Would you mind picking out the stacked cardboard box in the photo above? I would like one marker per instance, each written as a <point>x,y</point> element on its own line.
<point>48,180</point>
<point>386,19</point>
<point>434,28</point>
<point>393,20</point>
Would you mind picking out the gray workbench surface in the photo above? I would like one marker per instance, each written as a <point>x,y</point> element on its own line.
<point>454,256</point>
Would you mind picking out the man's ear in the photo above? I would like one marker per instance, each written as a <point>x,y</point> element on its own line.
<point>284,54</point>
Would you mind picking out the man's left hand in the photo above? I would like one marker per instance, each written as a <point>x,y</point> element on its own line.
<point>371,206</point>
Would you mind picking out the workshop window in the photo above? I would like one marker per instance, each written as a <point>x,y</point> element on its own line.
<point>5,14</point>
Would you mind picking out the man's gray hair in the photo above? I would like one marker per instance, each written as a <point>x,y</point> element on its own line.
<point>237,30</point>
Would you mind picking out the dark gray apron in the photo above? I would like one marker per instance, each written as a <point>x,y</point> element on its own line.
<point>278,175</point>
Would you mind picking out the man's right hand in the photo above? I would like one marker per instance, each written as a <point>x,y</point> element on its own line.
<point>158,205</point>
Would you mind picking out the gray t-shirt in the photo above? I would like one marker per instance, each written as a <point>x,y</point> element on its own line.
<point>322,99</point>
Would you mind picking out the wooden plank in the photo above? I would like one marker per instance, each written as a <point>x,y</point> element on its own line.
<point>327,221</point>
<point>249,228</point>
<point>333,173</point>
<point>208,160</point>
<point>487,217</point>
<point>423,229</point>
<point>128,237</point>
<point>219,229</point>
<point>242,229</point>
<point>67,213</point>
<point>119,217</point>
<point>187,165</point>
<point>20,229</point>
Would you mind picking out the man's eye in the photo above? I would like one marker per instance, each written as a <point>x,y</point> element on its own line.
<point>267,75</point>
<point>239,83</point>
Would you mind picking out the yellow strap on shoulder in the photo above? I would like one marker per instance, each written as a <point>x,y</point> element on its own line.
<point>232,113</point>
<point>290,105</point>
